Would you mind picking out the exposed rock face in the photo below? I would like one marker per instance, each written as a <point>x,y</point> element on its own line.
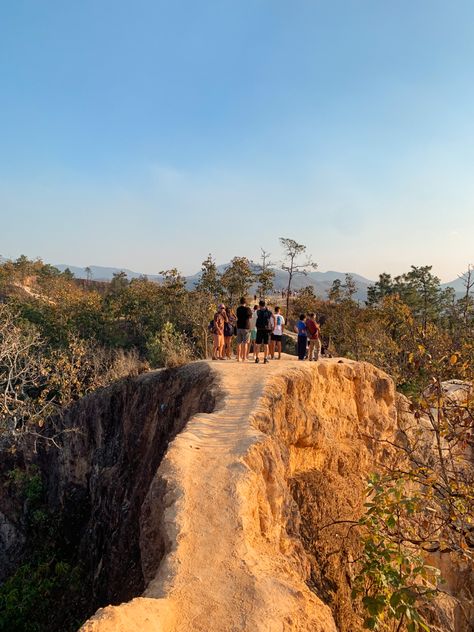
<point>216,531</point>
<point>100,476</point>
<point>235,557</point>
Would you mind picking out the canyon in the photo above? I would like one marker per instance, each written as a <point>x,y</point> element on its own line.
<point>200,497</point>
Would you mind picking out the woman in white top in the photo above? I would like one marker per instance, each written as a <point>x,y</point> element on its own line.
<point>277,334</point>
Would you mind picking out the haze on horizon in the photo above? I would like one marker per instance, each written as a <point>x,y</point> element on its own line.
<point>145,135</point>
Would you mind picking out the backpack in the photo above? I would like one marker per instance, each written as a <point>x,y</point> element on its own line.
<point>210,327</point>
<point>264,319</point>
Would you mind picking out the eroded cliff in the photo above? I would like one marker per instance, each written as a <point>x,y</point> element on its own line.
<point>230,484</point>
<point>201,496</point>
<point>97,473</point>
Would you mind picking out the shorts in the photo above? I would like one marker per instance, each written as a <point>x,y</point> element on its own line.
<point>262,337</point>
<point>243,336</point>
<point>277,337</point>
<point>253,335</point>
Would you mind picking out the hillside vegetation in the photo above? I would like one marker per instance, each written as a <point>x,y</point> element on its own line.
<point>62,338</point>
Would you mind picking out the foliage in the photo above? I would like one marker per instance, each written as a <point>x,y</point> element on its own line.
<point>210,280</point>
<point>237,278</point>
<point>45,592</point>
<point>393,578</point>
<point>423,504</point>
<point>36,380</point>
<point>169,348</point>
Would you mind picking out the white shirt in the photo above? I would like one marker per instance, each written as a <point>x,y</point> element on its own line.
<point>279,322</point>
<point>253,320</point>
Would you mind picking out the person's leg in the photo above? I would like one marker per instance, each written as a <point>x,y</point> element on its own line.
<point>311,349</point>
<point>266,337</point>
<point>301,347</point>
<point>246,345</point>
<point>271,347</point>
<point>215,346</point>
<point>317,351</point>
<point>221,346</point>
<point>258,344</point>
<point>278,348</point>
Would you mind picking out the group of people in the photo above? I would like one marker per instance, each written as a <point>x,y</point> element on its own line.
<point>259,328</point>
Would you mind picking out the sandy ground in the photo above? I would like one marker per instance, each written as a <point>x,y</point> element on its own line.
<point>214,579</point>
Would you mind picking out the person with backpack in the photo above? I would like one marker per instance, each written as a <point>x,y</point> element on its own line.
<point>264,324</point>
<point>277,334</point>
<point>253,330</point>
<point>220,318</point>
<point>314,338</point>
<point>302,337</point>
<point>229,327</point>
<point>244,316</point>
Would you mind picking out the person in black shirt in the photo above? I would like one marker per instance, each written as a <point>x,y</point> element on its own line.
<point>244,314</point>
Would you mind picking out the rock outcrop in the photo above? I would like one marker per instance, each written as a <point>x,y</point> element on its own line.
<point>110,446</point>
<point>200,496</point>
<point>222,501</point>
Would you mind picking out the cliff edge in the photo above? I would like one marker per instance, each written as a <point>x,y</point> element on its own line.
<point>219,525</point>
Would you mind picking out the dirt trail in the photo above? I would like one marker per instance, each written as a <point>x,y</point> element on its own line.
<point>216,577</point>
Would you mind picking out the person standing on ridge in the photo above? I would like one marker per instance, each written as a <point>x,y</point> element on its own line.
<point>302,337</point>
<point>244,316</point>
<point>229,332</point>
<point>277,334</point>
<point>220,318</point>
<point>314,338</point>
<point>253,330</point>
<point>264,325</point>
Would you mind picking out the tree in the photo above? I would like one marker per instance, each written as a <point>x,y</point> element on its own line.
<point>335,291</point>
<point>382,288</point>
<point>238,278</point>
<point>23,267</point>
<point>265,275</point>
<point>210,279</point>
<point>88,272</point>
<point>292,250</point>
<point>466,302</point>
<point>67,274</point>
<point>119,282</point>
<point>421,290</point>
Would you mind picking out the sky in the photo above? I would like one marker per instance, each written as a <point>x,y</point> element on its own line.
<point>146,134</point>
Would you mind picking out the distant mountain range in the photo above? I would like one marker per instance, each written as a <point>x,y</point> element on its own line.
<point>321,281</point>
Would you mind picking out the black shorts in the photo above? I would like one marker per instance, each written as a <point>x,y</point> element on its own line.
<point>262,337</point>
<point>276,337</point>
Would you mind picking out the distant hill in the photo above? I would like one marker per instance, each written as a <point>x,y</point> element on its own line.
<point>321,281</point>
<point>101,273</point>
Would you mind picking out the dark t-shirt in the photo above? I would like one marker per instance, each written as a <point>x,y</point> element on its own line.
<point>244,314</point>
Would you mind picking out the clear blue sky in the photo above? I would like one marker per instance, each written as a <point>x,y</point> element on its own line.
<point>146,134</point>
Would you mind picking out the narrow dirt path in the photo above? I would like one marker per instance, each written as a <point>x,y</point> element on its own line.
<point>213,580</point>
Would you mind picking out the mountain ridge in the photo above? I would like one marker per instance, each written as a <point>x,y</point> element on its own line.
<point>321,281</point>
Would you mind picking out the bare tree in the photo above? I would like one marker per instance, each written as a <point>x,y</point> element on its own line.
<point>265,275</point>
<point>468,282</point>
<point>292,250</point>
<point>88,272</point>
